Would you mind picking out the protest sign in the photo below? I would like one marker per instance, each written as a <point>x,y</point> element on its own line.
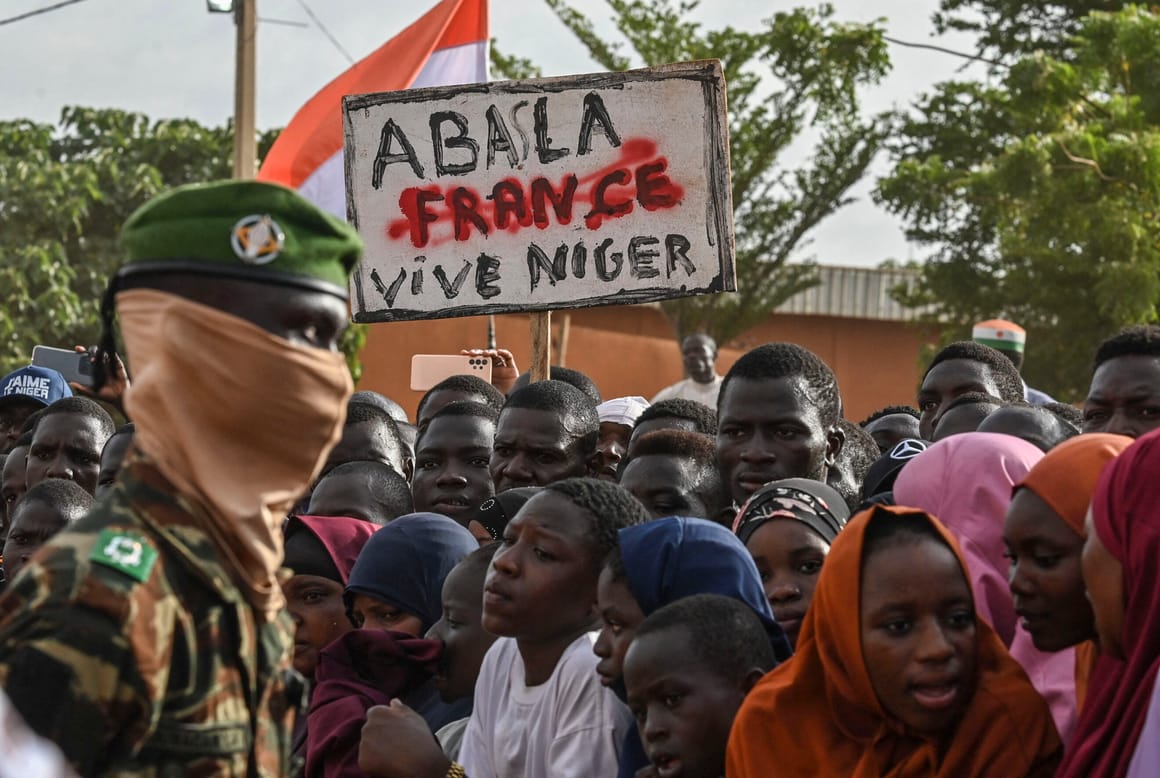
<point>609,188</point>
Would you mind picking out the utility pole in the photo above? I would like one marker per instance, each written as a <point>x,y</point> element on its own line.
<point>245,142</point>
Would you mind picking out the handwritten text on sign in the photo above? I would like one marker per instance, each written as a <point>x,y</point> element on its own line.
<point>554,193</point>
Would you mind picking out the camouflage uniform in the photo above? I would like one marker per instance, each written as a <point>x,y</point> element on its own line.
<point>127,643</point>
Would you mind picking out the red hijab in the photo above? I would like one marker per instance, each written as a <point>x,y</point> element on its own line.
<point>818,714</point>
<point>1126,516</point>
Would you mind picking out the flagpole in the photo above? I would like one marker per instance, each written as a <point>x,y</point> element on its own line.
<point>245,141</point>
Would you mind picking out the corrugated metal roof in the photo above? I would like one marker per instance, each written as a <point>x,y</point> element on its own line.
<point>853,292</point>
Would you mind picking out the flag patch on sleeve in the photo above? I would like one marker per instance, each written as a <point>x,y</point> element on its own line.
<point>125,551</point>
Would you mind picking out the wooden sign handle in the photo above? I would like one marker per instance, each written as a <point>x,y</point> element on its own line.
<point>541,345</point>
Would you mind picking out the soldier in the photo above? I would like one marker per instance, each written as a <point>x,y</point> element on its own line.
<point>151,638</point>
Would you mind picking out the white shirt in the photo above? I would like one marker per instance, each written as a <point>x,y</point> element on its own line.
<point>450,737</point>
<point>569,725</point>
<point>689,389</point>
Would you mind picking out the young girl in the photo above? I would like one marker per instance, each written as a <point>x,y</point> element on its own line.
<point>789,554</point>
<point>1120,569</point>
<point>1044,535</point>
<point>966,483</point>
<point>895,674</point>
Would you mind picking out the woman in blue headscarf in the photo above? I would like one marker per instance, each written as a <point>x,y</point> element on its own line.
<point>393,597</point>
<point>397,582</point>
<point>658,563</point>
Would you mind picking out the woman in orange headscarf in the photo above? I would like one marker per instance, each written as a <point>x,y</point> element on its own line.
<point>915,685</point>
<point>1044,536</point>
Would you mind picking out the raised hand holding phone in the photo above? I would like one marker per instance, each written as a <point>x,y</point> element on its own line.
<point>504,371</point>
<point>75,366</point>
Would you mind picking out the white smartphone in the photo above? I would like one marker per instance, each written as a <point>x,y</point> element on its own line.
<point>429,369</point>
<point>75,366</point>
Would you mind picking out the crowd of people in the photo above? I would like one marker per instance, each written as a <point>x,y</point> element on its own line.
<point>264,573</point>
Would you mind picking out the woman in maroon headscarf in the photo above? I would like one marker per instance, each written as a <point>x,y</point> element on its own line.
<point>320,551</point>
<point>1123,581</point>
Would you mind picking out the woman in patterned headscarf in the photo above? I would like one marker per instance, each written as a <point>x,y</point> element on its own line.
<point>789,554</point>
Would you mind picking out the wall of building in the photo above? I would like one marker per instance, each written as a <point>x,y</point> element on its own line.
<point>631,350</point>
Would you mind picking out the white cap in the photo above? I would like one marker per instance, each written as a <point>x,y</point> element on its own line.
<point>622,410</point>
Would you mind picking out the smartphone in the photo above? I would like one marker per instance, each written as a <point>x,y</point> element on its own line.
<point>75,366</point>
<point>429,369</point>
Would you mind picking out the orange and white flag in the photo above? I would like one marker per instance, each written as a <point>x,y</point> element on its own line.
<point>447,46</point>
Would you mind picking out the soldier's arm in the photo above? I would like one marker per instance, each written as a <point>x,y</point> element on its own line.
<point>68,660</point>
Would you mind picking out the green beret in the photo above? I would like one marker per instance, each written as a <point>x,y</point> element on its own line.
<point>241,229</point>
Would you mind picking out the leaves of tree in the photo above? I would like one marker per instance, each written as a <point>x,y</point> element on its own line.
<point>795,78</point>
<point>1039,196</point>
<point>65,191</point>
<point>1009,29</point>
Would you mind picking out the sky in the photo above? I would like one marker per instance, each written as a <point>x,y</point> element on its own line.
<point>171,58</point>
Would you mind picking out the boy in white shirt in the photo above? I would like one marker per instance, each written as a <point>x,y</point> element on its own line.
<point>540,709</point>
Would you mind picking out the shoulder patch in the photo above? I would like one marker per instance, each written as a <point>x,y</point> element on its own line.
<point>125,551</point>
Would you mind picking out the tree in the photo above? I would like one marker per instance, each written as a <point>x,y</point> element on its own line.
<point>800,72</point>
<point>1009,29</point>
<point>65,191</point>
<point>1039,196</point>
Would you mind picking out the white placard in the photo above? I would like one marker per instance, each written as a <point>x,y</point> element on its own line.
<point>600,189</point>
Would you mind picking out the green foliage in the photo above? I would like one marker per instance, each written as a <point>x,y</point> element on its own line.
<point>799,72</point>
<point>351,346</point>
<point>1008,29</point>
<point>511,67</point>
<point>1039,197</point>
<point>65,191</point>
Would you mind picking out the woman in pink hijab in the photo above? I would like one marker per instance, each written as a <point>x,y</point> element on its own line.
<point>966,481</point>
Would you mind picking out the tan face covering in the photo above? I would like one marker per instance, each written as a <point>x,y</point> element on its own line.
<point>239,420</point>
